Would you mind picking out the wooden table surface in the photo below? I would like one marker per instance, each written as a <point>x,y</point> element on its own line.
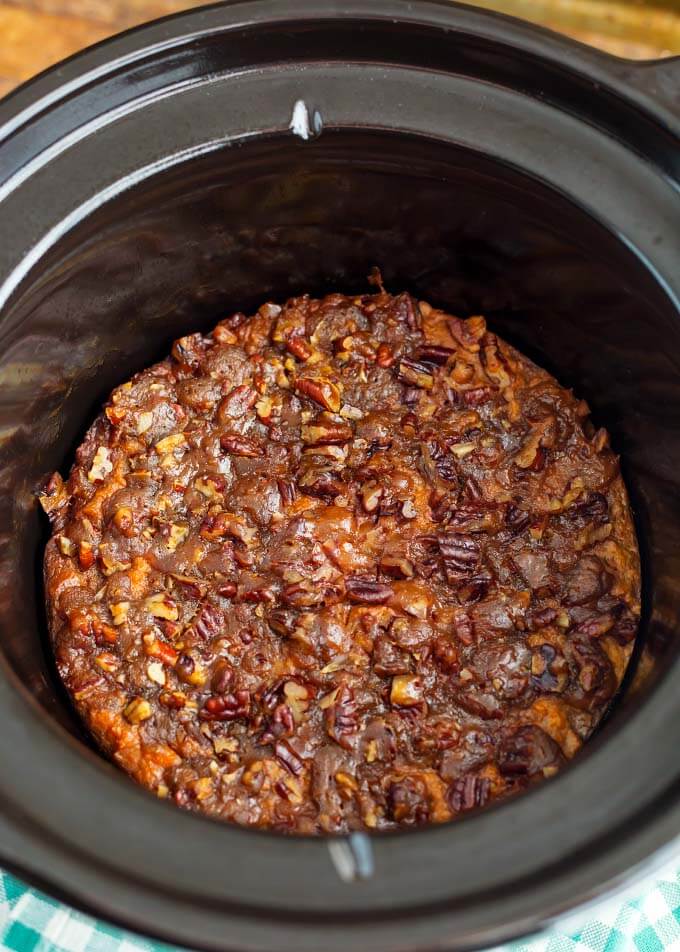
<point>34,34</point>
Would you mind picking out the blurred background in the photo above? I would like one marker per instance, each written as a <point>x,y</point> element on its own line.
<point>36,33</point>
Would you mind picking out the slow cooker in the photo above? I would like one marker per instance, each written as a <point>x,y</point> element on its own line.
<point>258,149</point>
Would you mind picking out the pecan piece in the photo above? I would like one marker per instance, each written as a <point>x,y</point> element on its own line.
<point>446,468</point>
<point>236,403</point>
<point>469,332</point>
<point>394,564</point>
<point>226,707</point>
<point>477,396</point>
<point>138,710</point>
<point>216,525</point>
<point>239,445</point>
<point>299,348</point>
<point>341,717</point>
<point>304,594</point>
<point>434,354</point>
<point>288,757</point>
<point>188,350</point>
<point>321,481</point>
<point>54,496</point>
<point>446,653</point>
<point>325,432</point>
<point>407,801</point>
<point>370,495</point>
<point>222,677</point>
<point>384,357</point>
<point>549,671</point>
<point>516,519</point>
<point>185,667</point>
<point>594,508</point>
<point>156,648</point>
<point>472,589</point>
<point>282,622</point>
<point>101,465</point>
<point>388,659</point>
<point>281,723</point>
<point>406,691</point>
<point>460,555</point>
<point>468,792</point>
<point>415,374</point>
<point>207,622</point>
<point>86,556</point>
<point>162,606</point>
<point>287,491</point>
<point>368,591</point>
<point>529,751</point>
<point>321,391</point>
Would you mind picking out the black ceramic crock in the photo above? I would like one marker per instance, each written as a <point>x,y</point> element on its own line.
<point>153,183</point>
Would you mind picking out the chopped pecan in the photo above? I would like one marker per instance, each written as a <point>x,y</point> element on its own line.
<point>321,391</point>
<point>207,621</point>
<point>239,445</point>
<point>86,555</point>
<point>325,432</point>
<point>406,690</point>
<point>529,751</point>
<point>474,587</point>
<point>66,547</point>
<point>342,720</point>
<point>288,757</point>
<point>189,585</point>
<point>156,648</point>
<point>370,495</point>
<point>287,491</point>
<point>408,802</point>
<point>280,724</point>
<point>476,396</point>
<point>161,605</point>
<point>469,792</point>
<point>593,508</point>
<point>303,594</point>
<point>388,659</point>
<point>396,565</point>
<point>516,519</point>
<point>384,356</point>
<point>216,525</point>
<point>415,373</point>
<point>468,333</point>
<point>434,354</point>
<point>185,667</point>
<point>549,671</point>
<point>460,555</point>
<point>299,348</point>
<point>282,622</point>
<point>367,591</point>
<point>463,627</point>
<point>237,403</point>
<point>321,481</point>
<point>138,710</point>
<point>222,677</point>
<point>101,465</point>
<point>446,653</point>
<point>54,496</point>
<point>189,350</point>
<point>226,707</point>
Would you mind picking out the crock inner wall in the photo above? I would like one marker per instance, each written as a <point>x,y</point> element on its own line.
<point>277,216</point>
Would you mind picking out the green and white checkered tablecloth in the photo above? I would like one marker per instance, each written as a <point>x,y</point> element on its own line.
<point>32,922</point>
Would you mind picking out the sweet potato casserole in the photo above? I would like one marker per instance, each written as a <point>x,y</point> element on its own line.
<point>350,563</point>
